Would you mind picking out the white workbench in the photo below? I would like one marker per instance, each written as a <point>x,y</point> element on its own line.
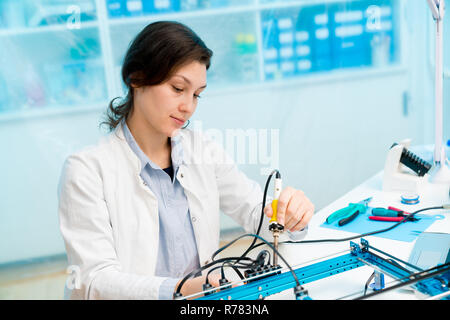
<point>352,281</point>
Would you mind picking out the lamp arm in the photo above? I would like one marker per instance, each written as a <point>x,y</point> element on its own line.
<point>441,172</point>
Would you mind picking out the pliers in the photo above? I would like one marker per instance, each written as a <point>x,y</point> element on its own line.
<point>391,214</point>
<point>349,213</point>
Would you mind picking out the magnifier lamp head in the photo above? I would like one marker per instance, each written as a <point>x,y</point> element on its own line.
<point>437,8</point>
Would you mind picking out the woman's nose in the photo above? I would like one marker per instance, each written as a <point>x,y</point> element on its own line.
<point>187,105</point>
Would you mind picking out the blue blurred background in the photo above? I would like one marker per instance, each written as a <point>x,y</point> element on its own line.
<point>333,83</point>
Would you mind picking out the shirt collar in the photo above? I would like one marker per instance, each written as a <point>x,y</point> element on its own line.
<point>176,152</point>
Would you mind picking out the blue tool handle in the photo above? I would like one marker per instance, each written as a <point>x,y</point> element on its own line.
<point>341,213</point>
<point>348,219</point>
<point>382,212</point>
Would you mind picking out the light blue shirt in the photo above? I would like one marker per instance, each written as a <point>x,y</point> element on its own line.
<point>177,252</point>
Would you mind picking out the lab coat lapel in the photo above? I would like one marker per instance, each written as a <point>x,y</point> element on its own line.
<point>197,211</point>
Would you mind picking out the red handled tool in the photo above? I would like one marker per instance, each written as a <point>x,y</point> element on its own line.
<point>391,214</point>
<point>399,211</point>
<point>391,219</point>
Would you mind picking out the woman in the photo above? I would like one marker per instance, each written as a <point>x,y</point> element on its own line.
<point>140,210</point>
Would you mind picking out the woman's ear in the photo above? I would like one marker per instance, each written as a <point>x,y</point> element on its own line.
<point>133,83</point>
<point>135,77</point>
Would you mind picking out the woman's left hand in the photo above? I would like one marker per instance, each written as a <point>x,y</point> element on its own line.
<point>294,210</point>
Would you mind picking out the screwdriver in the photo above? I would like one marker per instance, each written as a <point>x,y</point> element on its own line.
<point>274,226</point>
<point>382,212</point>
<point>390,214</point>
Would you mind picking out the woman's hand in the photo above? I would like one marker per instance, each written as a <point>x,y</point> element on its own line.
<point>294,209</point>
<point>195,285</point>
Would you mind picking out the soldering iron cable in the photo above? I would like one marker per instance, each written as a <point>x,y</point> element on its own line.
<point>278,176</point>
<point>252,245</point>
<point>235,267</point>
<point>265,242</point>
<point>206,266</point>
<point>447,206</point>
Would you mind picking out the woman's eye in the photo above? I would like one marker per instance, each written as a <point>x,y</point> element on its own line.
<point>179,90</point>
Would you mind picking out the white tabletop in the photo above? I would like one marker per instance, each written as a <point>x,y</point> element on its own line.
<point>349,282</point>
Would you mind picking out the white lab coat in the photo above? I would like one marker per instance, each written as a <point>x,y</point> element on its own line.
<point>109,218</point>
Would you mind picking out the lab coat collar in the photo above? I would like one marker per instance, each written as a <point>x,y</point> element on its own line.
<point>176,150</point>
<point>139,163</point>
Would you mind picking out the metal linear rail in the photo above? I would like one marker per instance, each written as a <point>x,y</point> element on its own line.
<point>359,255</point>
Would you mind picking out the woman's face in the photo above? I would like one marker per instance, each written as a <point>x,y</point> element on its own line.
<point>167,106</point>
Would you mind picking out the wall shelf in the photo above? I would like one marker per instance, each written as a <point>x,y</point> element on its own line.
<point>307,80</point>
<point>180,15</point>
<point>49,111</point>
<point>44,30</point>
<point>311,80</point>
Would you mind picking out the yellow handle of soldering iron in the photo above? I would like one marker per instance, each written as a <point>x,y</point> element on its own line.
<point>274,211</point>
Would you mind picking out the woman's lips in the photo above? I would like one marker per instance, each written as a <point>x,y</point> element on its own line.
<point>178,121</point>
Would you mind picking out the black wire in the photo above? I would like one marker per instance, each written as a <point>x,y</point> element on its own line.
<point>415,277</point>
<point>252,245</point>
<point>395,259</point>
<point>234,267</point>
<point>206,266</point>
<point>180,285</point>
<point>272,247</point>
<point>243,256</point>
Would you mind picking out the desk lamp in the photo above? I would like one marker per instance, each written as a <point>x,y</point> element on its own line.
<point>440,173</point>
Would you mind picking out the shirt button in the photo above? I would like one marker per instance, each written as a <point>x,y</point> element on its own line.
<point>194,219</point>
<point>181,175</point>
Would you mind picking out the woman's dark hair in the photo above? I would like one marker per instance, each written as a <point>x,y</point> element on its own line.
<point>153,56</point>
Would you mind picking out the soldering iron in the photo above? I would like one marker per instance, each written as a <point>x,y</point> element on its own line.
<point>274,226</point>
